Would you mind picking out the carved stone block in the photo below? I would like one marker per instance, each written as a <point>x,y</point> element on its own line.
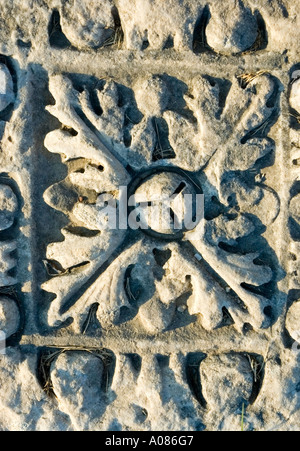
<point>149,215</point>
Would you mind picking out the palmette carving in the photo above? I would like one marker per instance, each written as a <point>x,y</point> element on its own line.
<point>146,275</point>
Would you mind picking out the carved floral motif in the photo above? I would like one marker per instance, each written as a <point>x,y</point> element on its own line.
<point>215,148</point>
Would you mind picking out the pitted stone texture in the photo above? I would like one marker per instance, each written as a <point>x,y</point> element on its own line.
<point>23,24</point>
<point>231,29</point>
<point>24,406</point>
<point>77,380</point>
<point>227,382</point>
<point>87,23</point>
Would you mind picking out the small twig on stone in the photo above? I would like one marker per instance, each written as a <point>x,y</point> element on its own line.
<point>128,289</point>
<point>92,311</point>
<point>249,77</point>
<point>159,152</point>
<point>116,39</point>
<point>55,25</point>
<point>256,368</point>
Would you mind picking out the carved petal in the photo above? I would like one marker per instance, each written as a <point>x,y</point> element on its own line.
<point>75,250</point>
<point>237,270</point>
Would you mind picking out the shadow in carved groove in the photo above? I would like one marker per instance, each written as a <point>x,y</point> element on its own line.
<point>261,42</point>
<point>193,362</point>
<point>257,364</point>
<point>57,38</point>
<point>199,40</point>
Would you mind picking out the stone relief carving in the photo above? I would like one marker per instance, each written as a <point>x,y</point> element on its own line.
<point>148,380</point>
<point>86,25</point>
<point>10,318</point>
<point>154,383</point>
<point>147,327</point>
<point>294,201</point>
<point>105,268</point>
<point>192,25</point>
<point>295,94</point>
<point>292,319</point>
<point>233,33</point>
<point>179,26</point>
<point>135,25</point>
<point>9,310</point>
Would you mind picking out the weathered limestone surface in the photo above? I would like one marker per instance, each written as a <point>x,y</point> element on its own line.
<point>113,318</point>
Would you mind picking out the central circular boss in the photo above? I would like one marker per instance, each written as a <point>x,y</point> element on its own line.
<point>166,204</point>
